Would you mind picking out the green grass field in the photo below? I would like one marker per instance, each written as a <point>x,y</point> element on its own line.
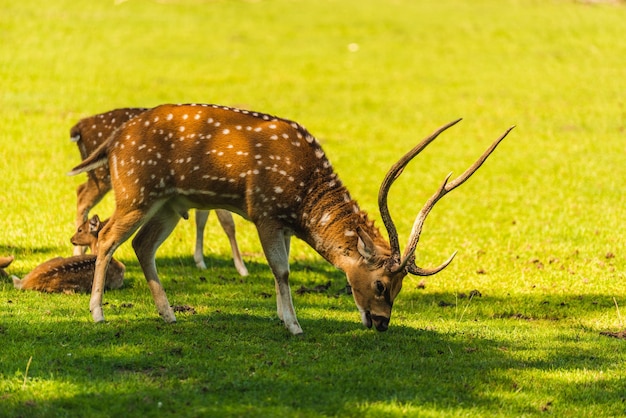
<point>516,326</point>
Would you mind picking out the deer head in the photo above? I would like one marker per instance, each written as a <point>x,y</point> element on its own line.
<point>272,172</point>
<point>87,233</point>
<point>379,279</point>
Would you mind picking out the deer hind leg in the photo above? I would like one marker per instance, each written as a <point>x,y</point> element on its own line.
<point>275,244</point>
<point>119,228</point>
<point>148,239</point>
<point>88,195</point>
<point>198,256</point>
<point>228,225</point>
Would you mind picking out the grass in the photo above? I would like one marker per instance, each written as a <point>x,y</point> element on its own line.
<point>512,328</point>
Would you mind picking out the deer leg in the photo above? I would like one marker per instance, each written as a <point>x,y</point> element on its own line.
<point>119,228</point>
<point>279,305</point>
<point>275,243</point>
<point>228,225</point>
<point>148,239</point>
<point>88,194</point>
<point>198,256</point>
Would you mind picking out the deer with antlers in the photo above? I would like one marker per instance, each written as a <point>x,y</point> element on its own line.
<point>272,172</point>
<point>88,134</point>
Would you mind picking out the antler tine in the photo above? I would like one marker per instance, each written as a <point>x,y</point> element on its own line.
<point>408,257</point>
<point>393,173</point>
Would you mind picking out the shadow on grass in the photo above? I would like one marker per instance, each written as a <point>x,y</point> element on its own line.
<point>232,364</point>
<point>200,366</point>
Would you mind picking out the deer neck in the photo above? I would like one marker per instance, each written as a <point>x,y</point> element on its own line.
<point>329,223</point>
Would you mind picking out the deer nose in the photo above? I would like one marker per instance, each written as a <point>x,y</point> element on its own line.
<point>380,322</point>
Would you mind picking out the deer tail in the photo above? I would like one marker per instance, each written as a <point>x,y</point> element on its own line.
<point>17,282</point>
<point>98,158</point>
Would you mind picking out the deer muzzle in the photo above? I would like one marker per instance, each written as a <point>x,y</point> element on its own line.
<point>381,323</point>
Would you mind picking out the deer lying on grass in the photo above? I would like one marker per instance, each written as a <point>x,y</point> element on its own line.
<point>88,134</point>
<point>272,172</point>
<point>76,273</point>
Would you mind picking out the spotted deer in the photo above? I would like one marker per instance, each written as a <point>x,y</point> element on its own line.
<point>92,131</point>
<point>76,273</point>
<point>272,172</point>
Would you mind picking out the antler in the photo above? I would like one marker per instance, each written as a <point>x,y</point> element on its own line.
<point>408,258</point>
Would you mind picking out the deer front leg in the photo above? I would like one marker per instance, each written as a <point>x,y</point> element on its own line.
<point>198,256</point>
<point>228,225</point>
<point>146,242</point>
<point>97,288</point>
<point>275,243</point>
<point>117,230</point>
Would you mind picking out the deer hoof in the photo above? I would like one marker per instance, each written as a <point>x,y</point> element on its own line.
<point>97,314</point>
<point>242,270</point>
<point>169,317</point>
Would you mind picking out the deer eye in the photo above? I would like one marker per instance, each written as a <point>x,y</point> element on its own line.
<point>380,287</point>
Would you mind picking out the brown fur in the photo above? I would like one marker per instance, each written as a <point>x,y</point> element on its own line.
<point>89,133</point>
<point>71,274</point>
<point>269,170</point>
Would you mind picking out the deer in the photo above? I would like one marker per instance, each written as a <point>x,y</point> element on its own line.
<point>87,233</point>
<point>88,134</point>
<point>272,172</point>
<point>75,273</point>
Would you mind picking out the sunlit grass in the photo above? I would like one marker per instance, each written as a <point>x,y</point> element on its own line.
<point>511,328</point>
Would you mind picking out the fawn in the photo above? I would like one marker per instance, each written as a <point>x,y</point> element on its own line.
<point>76,273</point>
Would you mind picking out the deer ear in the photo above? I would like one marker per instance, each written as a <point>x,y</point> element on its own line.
<point>94,223</point>
<point>365,245</point>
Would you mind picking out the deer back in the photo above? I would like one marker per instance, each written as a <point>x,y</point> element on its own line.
<point>90,132</point>
<point>209,156</point>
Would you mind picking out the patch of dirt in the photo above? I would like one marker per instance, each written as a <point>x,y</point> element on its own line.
<point>321,288</point>
<point>184,309</point>
<point>620,334</point>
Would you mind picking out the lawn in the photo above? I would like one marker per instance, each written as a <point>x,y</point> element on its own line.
<point>527,319</point>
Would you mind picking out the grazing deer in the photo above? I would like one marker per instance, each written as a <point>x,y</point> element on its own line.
<point>92,131</point>
<point>76,273</point>
<point>272,172</point>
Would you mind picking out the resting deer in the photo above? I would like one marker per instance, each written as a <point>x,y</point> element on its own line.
<point>76,273</point>
<point>272,172</point>
<point>88,134</point>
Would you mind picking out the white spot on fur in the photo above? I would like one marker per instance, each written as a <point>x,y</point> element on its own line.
<point>325,218</point>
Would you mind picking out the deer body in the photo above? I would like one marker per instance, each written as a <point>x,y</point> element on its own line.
<point>76,273</point>
<point>71,274</point>
<point>270,171</point>
<point>89,133</point>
